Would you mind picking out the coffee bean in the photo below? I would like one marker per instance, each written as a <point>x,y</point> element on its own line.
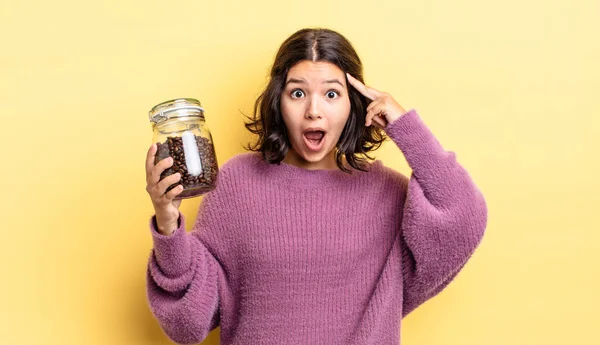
<point>192,185</point>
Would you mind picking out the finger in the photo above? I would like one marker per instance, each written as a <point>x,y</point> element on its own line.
<point>150,156</point>
<point>158,169</point>
<point>173,193</point>
<point>375,92</point>
<point>375,110</point>
<point>375,103</point>
<point>377,113</point>
<point>368,92</point>
<point>380,121</point>
<point>360,87</point>
<point>166,182</point>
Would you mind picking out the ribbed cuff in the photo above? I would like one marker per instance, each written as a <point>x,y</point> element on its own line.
<point>172,253</point>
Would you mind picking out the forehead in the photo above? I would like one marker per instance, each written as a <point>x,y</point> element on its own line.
<point>315,71</point>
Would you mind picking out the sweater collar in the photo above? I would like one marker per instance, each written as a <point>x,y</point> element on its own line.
<point>300,178</point>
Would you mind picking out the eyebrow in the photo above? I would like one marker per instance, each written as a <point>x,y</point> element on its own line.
<point>302,81</point>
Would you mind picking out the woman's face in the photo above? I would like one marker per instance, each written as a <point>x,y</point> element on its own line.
<point>315,106</point>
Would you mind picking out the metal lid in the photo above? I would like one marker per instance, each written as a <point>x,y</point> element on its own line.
<point>175,108</point>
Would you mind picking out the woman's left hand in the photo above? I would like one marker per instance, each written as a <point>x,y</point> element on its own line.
<point>383,109</point>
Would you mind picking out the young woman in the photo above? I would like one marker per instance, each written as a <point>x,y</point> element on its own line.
<point>307,240</point>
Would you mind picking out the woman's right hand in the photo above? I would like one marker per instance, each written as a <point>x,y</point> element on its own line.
<point>166,209</point>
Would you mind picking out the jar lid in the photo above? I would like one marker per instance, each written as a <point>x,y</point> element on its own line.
<point>176,108</point>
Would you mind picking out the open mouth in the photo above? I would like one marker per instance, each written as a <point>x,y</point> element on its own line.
<point>314,140</point>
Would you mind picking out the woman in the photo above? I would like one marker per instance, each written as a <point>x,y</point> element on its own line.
<point>306,241</point>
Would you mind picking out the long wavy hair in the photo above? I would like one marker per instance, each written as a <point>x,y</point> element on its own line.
<point>315,45</point>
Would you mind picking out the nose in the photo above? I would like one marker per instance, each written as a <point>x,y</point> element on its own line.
<point>313,111</point>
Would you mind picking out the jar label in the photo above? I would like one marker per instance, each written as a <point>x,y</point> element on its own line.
<point>190,151</point>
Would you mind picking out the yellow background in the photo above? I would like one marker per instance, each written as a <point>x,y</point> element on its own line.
<point>511,86</point>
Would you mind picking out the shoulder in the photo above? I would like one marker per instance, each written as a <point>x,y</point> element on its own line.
<point>240,169</point>
<point>385,172</point>
<point>231,177</point>
<point>241,163</point>
<point>388,177</point>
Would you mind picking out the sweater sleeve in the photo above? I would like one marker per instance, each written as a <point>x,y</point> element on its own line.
<point>444,213</point>
<point>183,278</point>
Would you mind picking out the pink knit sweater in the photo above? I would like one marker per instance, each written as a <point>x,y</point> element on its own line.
<point>283,255</point>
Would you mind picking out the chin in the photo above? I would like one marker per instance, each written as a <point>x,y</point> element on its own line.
<point>315,158</point>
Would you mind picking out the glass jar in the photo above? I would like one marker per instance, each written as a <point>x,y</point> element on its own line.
<point>180,132</point>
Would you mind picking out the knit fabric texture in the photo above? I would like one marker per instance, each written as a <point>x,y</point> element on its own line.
<point>279,254</point>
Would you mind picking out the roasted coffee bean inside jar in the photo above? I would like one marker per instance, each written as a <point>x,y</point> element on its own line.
<point>192,185</point>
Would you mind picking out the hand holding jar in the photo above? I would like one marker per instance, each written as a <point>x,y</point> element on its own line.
<point>165,204</point>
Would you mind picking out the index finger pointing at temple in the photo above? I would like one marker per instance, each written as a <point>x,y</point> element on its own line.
<point>370,93</point>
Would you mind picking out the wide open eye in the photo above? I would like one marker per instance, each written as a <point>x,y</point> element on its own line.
<point>332,94</point>
<point>297,93</point>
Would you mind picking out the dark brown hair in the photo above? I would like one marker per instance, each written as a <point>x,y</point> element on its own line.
<point>315,45</point>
